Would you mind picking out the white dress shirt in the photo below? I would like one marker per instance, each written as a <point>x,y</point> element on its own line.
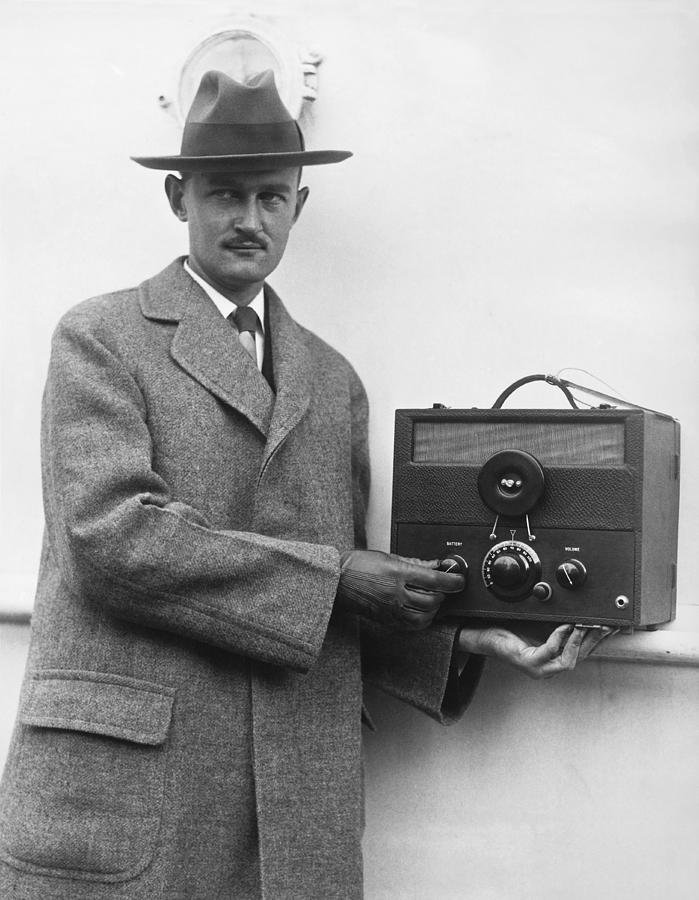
<point>226,307</point>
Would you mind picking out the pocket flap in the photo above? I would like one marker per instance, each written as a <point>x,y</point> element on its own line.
<point>100,703</point>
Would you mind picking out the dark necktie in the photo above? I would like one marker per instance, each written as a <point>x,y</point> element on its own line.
<point>246,321</point>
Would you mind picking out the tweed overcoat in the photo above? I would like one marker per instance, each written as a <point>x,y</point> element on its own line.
<point>189,724</point>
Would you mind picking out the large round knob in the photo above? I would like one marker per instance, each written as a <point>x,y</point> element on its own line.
<point>571,574</point>
<point>510,570</point>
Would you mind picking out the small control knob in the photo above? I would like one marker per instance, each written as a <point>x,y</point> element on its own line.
<point>571,574</point>
<point>542,591</point>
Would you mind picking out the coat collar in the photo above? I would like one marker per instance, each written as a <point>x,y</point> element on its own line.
<point>207,348</point>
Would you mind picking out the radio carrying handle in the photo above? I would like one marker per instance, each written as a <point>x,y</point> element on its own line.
<point>550,379</point>
<point>564,385</point>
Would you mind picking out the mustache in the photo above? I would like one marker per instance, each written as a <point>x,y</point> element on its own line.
<point>246,238</point>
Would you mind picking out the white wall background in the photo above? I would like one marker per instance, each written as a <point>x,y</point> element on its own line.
<point>524,197</point>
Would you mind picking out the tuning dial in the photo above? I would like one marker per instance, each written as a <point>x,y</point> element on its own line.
<point>510,570</point>
<point>571,574</point>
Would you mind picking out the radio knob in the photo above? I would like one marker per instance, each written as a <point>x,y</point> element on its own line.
<point>454,563</point>
<point>509,570</point>
<point>571,574</point>
<point>542,591</point>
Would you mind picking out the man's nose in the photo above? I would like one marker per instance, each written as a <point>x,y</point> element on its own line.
<point>248,216</point>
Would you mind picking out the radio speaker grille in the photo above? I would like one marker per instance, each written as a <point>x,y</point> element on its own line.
<point>562,444</point>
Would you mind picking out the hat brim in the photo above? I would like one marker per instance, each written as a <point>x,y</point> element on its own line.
<point>247,162</point>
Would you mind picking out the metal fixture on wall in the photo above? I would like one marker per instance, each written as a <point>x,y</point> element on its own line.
<point>241,48</point>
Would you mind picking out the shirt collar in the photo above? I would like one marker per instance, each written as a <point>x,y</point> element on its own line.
<point>223,304</point>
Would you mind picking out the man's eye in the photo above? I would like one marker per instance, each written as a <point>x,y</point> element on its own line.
<point>272,199</point>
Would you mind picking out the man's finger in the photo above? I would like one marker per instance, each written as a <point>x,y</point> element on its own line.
<point>412,618</point>
<point>571,650</point>
<point>578,645</point>
<point>424,563</point>
<point>545,659</point>
<point>555,642</point>
<point>412,621</point>
<point>434,580</point>
<point>594,637</point>
<point>422,601</point>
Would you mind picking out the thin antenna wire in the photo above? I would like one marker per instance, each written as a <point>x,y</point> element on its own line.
<point>592,375</point>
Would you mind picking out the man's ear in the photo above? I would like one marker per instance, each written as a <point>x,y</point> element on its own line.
<point>301,197</point>
<point>174,188</point>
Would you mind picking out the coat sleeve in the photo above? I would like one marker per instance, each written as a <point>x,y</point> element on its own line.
<point>419,668</point>
<point>121,540</point>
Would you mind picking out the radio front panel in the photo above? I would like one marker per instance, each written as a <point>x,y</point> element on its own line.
<point>558,515</point>
<point>590,575</point>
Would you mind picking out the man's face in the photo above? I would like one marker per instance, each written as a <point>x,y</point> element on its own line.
<point>239,223</point>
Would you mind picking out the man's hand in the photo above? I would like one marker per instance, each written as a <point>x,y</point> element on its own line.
<point>405,593</point>
<point>566,646</point>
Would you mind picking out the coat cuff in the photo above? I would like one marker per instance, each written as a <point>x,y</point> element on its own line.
<point>421,668</point>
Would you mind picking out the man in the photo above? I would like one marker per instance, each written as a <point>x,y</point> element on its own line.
<point>189,726</point>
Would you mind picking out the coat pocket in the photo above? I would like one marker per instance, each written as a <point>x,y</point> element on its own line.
<point>84,784</point>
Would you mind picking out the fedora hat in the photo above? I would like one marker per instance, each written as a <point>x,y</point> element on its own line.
<point>239,127</point>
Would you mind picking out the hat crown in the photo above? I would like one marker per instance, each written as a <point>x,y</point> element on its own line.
<point>230,118</point>
<point>220,100</point>
<point>236,126</point>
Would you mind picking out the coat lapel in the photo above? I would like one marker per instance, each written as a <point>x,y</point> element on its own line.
<point>206,346</point>
<point>292,373</point>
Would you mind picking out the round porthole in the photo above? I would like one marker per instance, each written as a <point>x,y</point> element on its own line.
<point>242,50</point>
